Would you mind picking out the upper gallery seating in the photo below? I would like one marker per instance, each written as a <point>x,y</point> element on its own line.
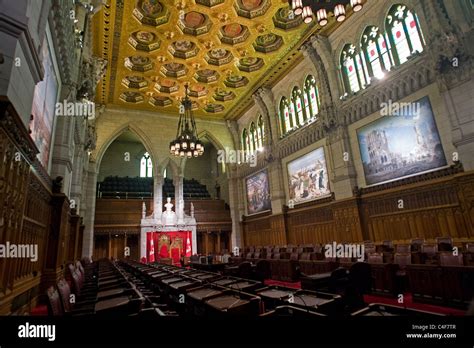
<point>116,187</point>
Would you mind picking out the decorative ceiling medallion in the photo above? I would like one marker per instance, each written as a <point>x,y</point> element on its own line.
<point>251,8</point>
<point>236,81</point>
<point>131,97</point>
<point>158,100</point>
<point>268,43</point>
<point>183,49</point>
<point>137,82</point>
<point>283,20</point>
<point>223,95</point>
<point>233,33</point>
<point>219,56</point>
<point>151,12</point>
<point>209,3</point>
<point>214,108</point>
<point>206,75</point>
<point>198,91</point>
<point>166,86</point>
<point>174,69</point>
<point>144,41</point>
<point>249,64</point>
<point>195,23</point>
<point>139,63</point>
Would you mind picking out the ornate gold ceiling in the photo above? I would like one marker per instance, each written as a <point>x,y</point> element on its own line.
<point>222,48</point>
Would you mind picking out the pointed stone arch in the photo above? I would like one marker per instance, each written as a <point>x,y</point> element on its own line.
<point>177,169</point>
<point>136,131</point>
<point>212,139</point>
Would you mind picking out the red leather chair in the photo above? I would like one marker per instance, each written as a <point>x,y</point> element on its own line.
<point>444,243</point>
<point>416,244</point>
<point>403,248</point>
<point>402,260</point>
<point>429,254</point>
<point>54,301</point>
<point>469,254</point>
<point>78,307</point>
<point>375,258</point>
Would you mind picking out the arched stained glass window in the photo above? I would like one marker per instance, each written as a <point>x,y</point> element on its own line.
<point>253,137</point>
<point>284,116</point>
<point>293,123</point>
<point>404,33</point>
<point>350,69</point>
<point>260,131</point>
<point>374,48</point>
<point>311,97</point>
<point>146,166</point>
<point>300,115</point>
<point>245,140</point>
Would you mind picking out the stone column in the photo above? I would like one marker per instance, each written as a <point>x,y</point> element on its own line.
<point>343,175</point>
<point>277,187</point>
<point>236,210</point>
<point>326,80</point>
<point>76,186</point>
<point>179,197</point>
<point>158,196</point>
<point>63,151</point>
<point>89,219</point>
<point>265,101</point>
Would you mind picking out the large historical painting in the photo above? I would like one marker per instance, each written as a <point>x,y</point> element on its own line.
<point>258,193</point>
<point>308,177</point>
<point>43,108</point>
<point>394,147</point>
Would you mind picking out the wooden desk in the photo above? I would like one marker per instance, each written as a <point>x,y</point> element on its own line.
<point>212,267</point>
<point>111,303</point>
<point>110,293</point>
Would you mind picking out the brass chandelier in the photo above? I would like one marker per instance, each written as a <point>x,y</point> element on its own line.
<point>187,143</point>
<point>321,9</point>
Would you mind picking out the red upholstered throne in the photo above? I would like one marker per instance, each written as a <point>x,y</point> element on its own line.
<point>176,249</point>
<point>164,246</point>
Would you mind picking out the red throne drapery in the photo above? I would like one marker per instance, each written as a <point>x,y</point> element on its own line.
<point>168,245</point>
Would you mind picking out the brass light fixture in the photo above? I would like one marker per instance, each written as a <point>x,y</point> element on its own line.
<point>321,8</point>
<point>187,143</point>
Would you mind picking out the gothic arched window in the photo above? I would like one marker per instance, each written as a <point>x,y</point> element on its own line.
<point>300,116</point>
<point>404,33</point>
<point>353,69</point>
<point>284,116</point>
<point>311,97</point>
<point>376,50</point>
<point>245,140</point>
<point>146,166</point>
<point>260,131</point>
<point>253,137</point>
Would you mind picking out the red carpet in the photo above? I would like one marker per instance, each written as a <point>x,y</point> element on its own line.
<point>386,300</point>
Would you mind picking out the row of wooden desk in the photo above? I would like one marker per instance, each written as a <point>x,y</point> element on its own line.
<point>197,293</point>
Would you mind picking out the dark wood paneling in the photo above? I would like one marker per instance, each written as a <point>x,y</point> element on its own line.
<point>435,204</point>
